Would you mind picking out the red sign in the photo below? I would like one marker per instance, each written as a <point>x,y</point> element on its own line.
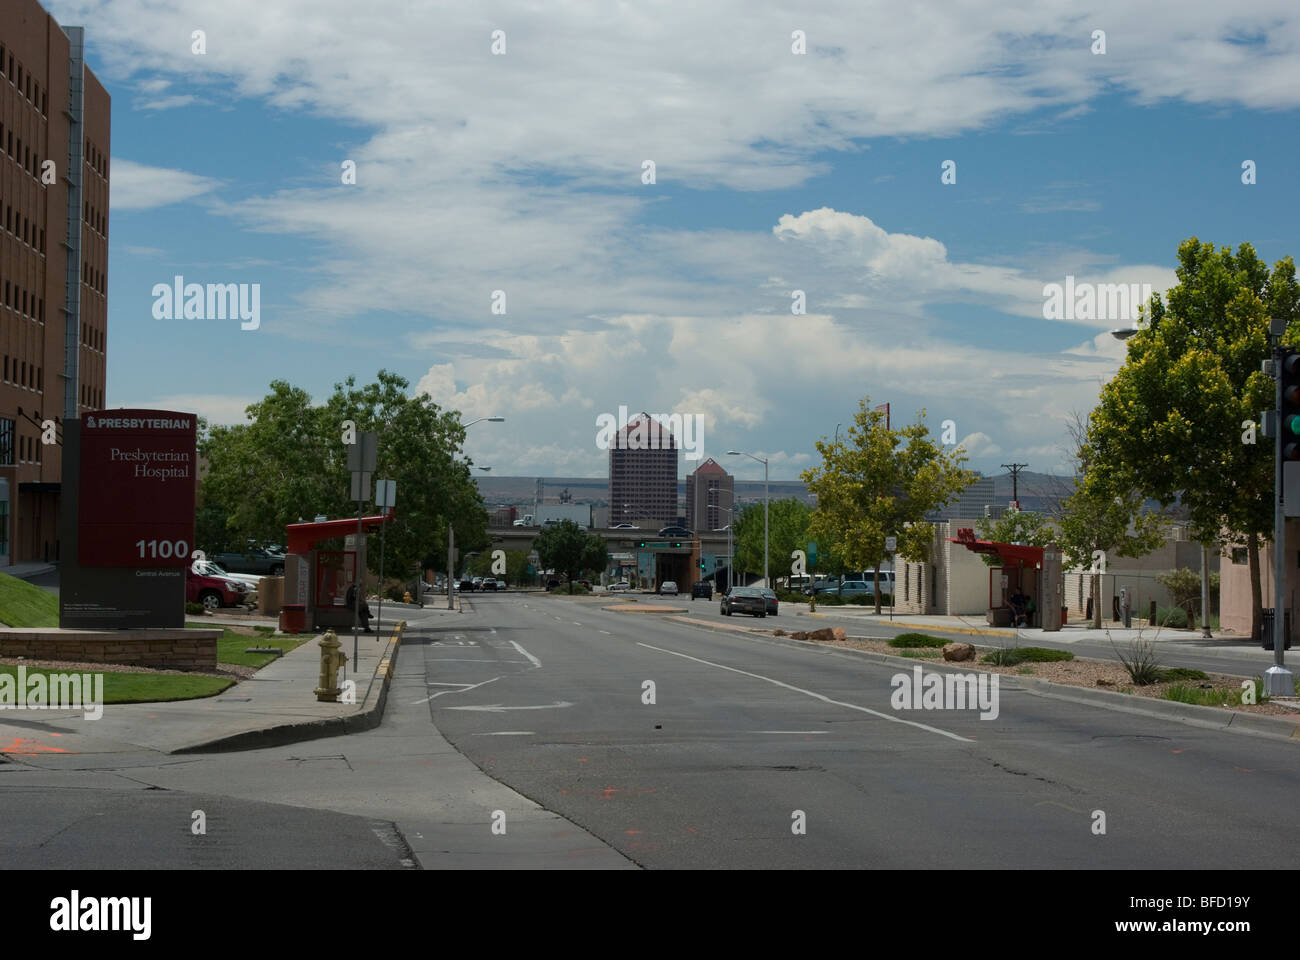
<point>138,472</point>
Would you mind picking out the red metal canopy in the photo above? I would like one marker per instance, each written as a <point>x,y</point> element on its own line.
<point>1007,552</point>
<point>303,537</point>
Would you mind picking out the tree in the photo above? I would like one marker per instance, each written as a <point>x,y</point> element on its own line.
<point>787,525</point>
<point>879,482</point>
<point>568,549</point>
<point>289,463</point>
<point>1096,520</point>
<point>1173,421</point>
<point>1015,526</point>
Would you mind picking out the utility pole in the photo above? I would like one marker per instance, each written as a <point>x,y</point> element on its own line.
<point>1015,469</point>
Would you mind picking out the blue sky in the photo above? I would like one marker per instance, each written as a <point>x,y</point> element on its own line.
<point>775,172</point>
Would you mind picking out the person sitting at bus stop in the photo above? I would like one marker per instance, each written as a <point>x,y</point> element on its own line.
<point>1018,604</point>
<point>364,614</point>
<point>1030,609</point>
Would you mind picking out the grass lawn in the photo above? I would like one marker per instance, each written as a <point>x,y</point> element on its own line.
<point>233,643</point>
<point>23,605</point>
<point>145,687</point>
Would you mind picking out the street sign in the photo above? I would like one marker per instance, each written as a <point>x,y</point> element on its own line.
<point>386,493</point>
<point>360,487</point>
<point>363,454</point>
<point>812,553</point>
<point>891,544</point>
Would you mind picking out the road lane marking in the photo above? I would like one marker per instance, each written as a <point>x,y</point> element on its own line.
<point>501,708</point>
<point>535,662</point>
<point>464,688</point>
<point>810,693</point>
<point>469,660</point>
<point>606,633</point>
<point>507,733</point>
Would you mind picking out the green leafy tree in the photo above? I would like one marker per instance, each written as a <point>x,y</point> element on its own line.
<point>1015,526</point>
<point>1096,521</point>
<point>289,463</point>
<point>568,549</point>
<point>1172,421</point>
<point>879,482</point>
<point>787,531</point>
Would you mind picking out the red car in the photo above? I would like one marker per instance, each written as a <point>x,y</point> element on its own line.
<point>213,592</point>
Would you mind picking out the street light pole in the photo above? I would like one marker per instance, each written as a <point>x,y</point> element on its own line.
<point>451,531</point>
<point>738,453</point>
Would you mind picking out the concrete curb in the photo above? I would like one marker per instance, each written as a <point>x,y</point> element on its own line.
<point>1234,721</point>
<point>368,716</point>
<point>921,627</point>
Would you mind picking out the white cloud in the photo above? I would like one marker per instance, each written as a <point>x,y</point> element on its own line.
<point>136,186</point>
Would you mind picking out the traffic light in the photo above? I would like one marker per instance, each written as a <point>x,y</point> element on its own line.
<point>1289,415</point>
<point>641,544</point>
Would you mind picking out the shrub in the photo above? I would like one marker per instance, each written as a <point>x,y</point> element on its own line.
<point>1182,673</point>
<point>395,593</point>
<point>921,652</point>
<point>1010,656</point>
<point>908,640</point>
<point>564,589</point>
<point>1209,696</point>
<point>195,609</point>
<point>1173,617</point>
<point>1141,663</point>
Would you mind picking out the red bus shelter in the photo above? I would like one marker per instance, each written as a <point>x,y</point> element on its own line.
<point>316,581</point>
<point>1020,569</point>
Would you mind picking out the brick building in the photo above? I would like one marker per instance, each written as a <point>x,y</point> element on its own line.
<point>54,175</point>
<point>643,473</point>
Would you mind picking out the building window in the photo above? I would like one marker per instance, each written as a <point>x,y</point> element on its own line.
<point>1239,555</point>
<point>6,442</point>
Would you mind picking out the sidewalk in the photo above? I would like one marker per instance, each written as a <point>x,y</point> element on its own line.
<point>1077,632</point>
<point>276,705</point>
<point>24,571</point>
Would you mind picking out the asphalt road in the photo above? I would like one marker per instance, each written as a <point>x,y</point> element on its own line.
<point>747,737</point>
<point>1174,649</point>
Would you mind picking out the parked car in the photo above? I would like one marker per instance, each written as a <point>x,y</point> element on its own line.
<point>619,587</point>
<point>207,568</point>
<point>769,598</point>
<point>625,526</point>
<point>488,583</point>
<point>667,587</point>
<point>213,592</point>
<point>675,531</point>
<point>268,563</point>
<point>703,589</point>
<point>744,600</point>
<point>467,585</point>
<point>852,588</point>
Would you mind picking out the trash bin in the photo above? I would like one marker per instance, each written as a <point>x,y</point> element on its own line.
<point>293,618</point>
<point>1266,632</point>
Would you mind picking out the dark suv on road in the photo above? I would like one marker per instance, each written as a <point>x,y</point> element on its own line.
<point>702,589</point>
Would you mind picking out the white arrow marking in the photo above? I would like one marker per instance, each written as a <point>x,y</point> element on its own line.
<point>535,662</point>
<point>500,708</point>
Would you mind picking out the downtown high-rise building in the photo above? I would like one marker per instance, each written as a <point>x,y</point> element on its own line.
<point>710,495</point>
<point>54,173</point>
<point>643,473</point>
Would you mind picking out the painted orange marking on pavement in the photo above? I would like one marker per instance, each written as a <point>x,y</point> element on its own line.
<point>1244,769</point>
<point>26,747</point>
<point>584,760</point>
<point>633,833</point>
<point>608,793</point>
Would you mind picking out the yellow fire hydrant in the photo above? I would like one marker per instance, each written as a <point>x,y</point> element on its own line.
<point>332,660</point>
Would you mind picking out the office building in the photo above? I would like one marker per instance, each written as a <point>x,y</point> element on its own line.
<point>643,473</point>
<point>54,175</point>
<point>710,494</point>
